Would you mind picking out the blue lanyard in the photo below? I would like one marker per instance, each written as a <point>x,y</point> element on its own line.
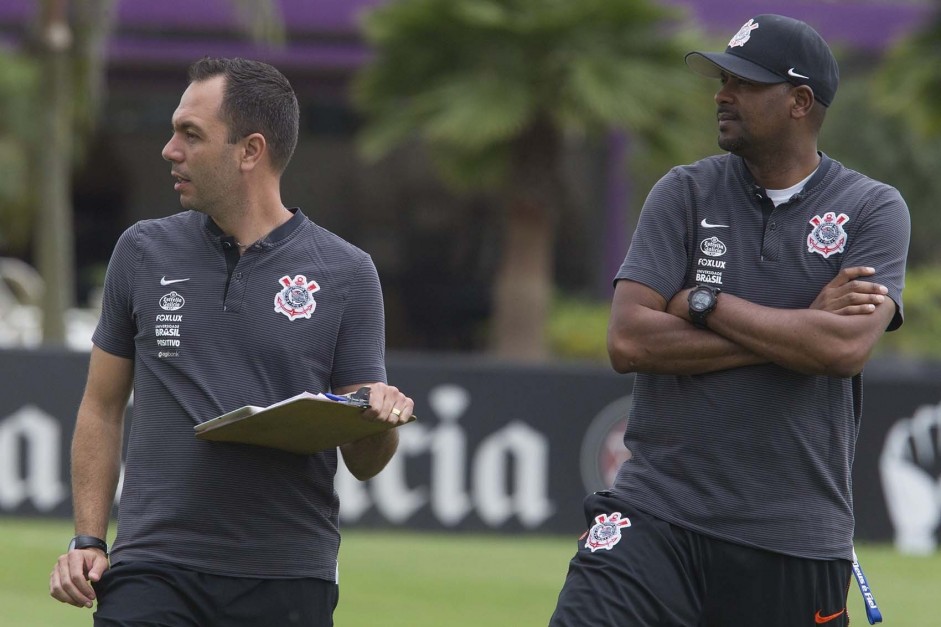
<point>872,610</point>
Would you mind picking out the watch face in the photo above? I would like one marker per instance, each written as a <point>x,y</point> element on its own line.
<point>700,300</point>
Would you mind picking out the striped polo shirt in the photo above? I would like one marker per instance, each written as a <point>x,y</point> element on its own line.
<point>759,455</point>
<point>210,331</point>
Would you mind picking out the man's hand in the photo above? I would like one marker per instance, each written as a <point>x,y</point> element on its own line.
<point>388,404</point>
<point>367,457</point>
<point>846,295</point>
<point>69,581</point>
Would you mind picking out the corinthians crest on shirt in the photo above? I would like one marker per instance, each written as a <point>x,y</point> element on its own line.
<point>606,532</point>
<point>827,236</point>
<point>295,300</point>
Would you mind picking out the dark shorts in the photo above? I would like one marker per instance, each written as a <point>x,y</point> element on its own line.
<point>633,569</point>
<point>146,594</point>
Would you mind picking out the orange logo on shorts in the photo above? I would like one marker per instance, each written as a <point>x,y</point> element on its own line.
<point>826,619</point>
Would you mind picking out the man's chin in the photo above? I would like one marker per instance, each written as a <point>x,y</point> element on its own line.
<point>731,144</point>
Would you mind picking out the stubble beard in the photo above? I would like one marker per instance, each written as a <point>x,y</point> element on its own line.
<point>193,204</point>
<point>735,145</point>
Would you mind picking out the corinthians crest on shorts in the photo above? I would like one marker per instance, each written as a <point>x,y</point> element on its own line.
<point>606,531</point>
<point>828,236</point>
<point>295,300</point>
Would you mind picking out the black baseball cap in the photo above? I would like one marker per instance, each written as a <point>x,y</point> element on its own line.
<point>775,49</point>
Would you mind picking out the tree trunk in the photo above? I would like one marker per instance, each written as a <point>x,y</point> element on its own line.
<point>524,279</point>
<point>56,258</point>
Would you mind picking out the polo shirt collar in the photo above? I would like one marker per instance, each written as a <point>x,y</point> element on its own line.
<point>272,238</point>
<point>752,187</point>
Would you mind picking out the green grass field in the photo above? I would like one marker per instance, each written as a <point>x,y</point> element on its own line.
<point>422,580</point>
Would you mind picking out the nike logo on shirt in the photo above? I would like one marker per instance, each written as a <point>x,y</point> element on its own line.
<point>165,281</point>
<point>706,225</point>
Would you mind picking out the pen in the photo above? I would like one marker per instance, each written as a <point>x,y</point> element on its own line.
<point>350,400</point>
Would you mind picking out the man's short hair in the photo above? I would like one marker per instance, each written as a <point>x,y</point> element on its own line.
<point>257,99</point>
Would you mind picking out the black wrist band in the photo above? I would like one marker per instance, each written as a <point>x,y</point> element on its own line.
<point>88,542</point>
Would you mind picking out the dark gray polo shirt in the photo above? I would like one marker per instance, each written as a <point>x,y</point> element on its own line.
<point>209,332</point>
<point>759,455</point>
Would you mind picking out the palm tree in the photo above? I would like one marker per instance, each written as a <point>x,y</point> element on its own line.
<point>494,88</point>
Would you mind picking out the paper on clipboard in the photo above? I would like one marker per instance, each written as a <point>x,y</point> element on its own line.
<point>303,424</point>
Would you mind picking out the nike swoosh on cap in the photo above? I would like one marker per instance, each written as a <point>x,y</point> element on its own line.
<point>165,281</point>
<point>791,72</point>
<point>706,225</point>
<point>826,619</point>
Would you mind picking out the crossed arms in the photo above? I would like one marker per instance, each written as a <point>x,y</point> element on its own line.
<point>834,336</point>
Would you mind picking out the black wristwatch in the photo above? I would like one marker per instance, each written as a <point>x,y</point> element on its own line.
<point>88,542</point>
<point>702,301</point>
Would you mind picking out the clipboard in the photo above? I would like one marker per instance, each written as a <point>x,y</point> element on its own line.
<point>303,424</point>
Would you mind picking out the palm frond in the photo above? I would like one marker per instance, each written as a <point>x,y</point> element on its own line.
<point>469,73</point>
<point>477,110</point>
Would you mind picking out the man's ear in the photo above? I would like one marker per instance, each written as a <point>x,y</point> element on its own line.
<point>804,101</point>
<point>254,148</point>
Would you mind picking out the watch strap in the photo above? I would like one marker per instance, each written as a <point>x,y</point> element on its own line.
<point>88,542</point>
<point>697,317</point>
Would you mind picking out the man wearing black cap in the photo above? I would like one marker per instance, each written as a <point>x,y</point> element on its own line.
<point>755,287</point>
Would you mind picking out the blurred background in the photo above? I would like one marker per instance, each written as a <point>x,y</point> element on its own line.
<point>492,156</point>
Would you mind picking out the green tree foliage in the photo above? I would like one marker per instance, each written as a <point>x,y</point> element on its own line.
<point>493,88</point>
<point>578,329</point>
<point>46,124</point>
<point>907,90</point>
<point>18,79</point>
<point>920,336</point>
<point>887,147</point>
<point>468,77</point>
<point>908,83</point>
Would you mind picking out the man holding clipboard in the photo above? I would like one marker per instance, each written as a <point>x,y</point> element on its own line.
<point>236,301</point>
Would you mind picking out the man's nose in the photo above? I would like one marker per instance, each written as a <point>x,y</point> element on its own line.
<point>169,152</point>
